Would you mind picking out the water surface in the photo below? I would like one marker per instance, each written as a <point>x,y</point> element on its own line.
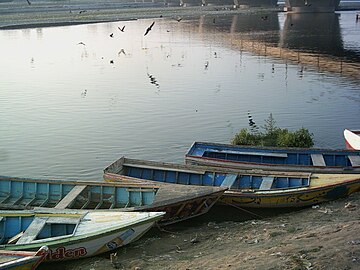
<point>67,110</point>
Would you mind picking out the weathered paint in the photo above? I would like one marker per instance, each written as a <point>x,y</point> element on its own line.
<point>94,231</point>
<point>272,158</point>
<point>26,260</point>
<point>299,198</point>
<point>247,189</point>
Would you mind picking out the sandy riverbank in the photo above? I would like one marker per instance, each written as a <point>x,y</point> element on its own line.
<point>322,237</point>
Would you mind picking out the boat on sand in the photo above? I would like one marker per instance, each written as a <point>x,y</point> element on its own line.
<point>72,234</point>
<point>27,193</point>
<point>22,260</point>
<point>246,188</point>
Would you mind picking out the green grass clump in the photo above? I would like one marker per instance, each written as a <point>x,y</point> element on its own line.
<point>273,135</point>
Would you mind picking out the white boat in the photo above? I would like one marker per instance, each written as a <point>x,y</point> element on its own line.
<point>72,234</point>
<point>352,139</point>
<point>22,260</point>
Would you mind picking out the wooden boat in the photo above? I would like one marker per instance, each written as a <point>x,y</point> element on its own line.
<point>247,188</point>
<point>273,158</point>
<point>22,260</point>
<point>72,234</point>
<point>26,193</point>
<point>352,139</point>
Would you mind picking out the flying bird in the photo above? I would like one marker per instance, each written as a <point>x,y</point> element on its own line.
<point>83,94</point>
<point>149,29</point>
<point>179,19</point>
<point>28,2</point>
<point>81,43</point>
<point>122,29</point>
<point>153,80</point>
<point>112,35</point>
<point>121,51</point>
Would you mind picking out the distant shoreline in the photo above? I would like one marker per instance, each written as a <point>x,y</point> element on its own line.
<point>58,16</point>
<point>17,14</point>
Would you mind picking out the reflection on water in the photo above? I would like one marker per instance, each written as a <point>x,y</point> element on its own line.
<point>73,99</point>
<point>325,38</point>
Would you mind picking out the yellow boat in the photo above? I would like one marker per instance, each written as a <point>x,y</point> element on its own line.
<point>321,188</point>
<point>246,188</point>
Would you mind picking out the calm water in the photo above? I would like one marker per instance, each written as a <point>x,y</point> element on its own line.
<point>67,110</point>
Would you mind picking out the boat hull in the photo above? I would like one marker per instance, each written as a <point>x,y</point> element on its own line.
<point>273,159</point>
<point>97,233</point>
<point>352,139</point>
<point>25,193</point>
<point>246,188</point>
<point>180,206</point>
<point>22,260</point>
<point>95,246</point>
<point>290,199</point>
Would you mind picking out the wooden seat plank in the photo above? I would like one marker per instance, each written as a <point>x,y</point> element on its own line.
<point>354,160</point>
<point>63,220</point>
<point>229,180</point>
<point>266,183</point>
<point>70,197</point>
<point>33,230</point>
<point>318,160</point>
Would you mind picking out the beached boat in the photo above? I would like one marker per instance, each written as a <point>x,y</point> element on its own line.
<point>22,260</point>
<point>72,234</point>
<point>247,188</point>
<point>352,139</point>
<point>273,158</point>
<point>26,193</point>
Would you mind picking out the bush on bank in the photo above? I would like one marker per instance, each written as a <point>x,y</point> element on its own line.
<point>273,135</point>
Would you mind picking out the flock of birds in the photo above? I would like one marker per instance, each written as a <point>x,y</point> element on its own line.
<point>153,80</point>
<point>122,51</point>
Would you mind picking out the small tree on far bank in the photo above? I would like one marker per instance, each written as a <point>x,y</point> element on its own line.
<point>273,136</point>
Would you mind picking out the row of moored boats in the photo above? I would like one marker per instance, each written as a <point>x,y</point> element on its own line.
<point>57,220</point>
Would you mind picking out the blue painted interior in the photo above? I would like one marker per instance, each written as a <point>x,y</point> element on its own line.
<point>27,193</point>
<point>210,178</point>
<point>295,157</point>
<point>53,230</point>
<point>11,226</point>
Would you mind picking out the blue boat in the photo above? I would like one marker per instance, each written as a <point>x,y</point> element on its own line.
<point>246,188</point>
<point>26,193</point>
<point>273,158</point>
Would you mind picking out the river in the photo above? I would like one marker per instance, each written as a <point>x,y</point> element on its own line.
<point>73,99</point>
